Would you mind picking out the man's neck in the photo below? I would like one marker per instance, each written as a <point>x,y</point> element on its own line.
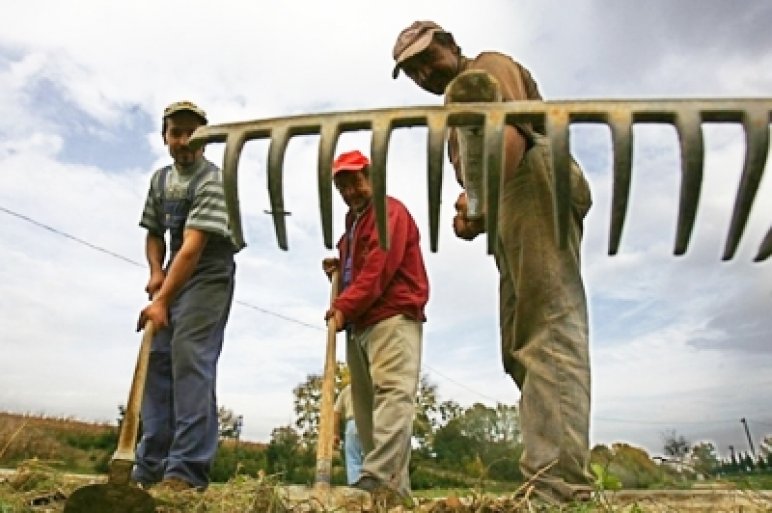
<point>189,169</point>
<point>463,63</point>
<point>354,214</point>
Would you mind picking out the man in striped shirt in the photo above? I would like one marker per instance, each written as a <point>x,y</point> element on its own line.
<point>191,295</point>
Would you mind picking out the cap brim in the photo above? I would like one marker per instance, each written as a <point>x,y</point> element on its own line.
<point>185,109</point>
<point>348,169</point>
<point>418,46</point>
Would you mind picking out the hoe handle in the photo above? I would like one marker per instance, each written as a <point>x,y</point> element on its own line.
<point>123,458</point>
<point>326,415</point>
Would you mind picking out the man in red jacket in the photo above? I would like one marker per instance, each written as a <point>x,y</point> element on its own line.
<point>382,307</point>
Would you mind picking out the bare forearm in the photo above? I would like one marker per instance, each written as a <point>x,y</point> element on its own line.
<point>179,272</point>
<point>155,252</point>
<point>164,288</point>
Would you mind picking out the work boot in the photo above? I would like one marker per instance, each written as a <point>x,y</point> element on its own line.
<point>382,494</point>
<point>367,483</point>
<point>176,484</point>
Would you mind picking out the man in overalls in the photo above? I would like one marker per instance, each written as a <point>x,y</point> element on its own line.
<point>191,296</point>
<point>543,309</point>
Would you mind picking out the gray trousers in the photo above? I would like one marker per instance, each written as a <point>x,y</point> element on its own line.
<point>544,326</point>
<point>384,361</point>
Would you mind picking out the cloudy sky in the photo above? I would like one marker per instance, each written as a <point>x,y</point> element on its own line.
<point>678,343</point>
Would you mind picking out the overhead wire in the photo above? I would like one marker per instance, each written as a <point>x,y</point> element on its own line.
<point>238,301</point>
<point>316,327</point>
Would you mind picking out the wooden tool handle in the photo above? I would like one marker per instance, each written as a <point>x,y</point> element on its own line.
<point>326,415</point>
<point>130,425</point>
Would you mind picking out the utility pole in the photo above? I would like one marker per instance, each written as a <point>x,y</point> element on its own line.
<point>748,434</point>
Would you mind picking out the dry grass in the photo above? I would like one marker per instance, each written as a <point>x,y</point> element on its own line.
<point>37,487</point>
<point>24,437</point>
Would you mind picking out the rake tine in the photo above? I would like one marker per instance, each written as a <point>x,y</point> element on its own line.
<point>688,125</point>
<point>328,140</point>
<point>279,139</point>
<point>381,132</point>
<point>687,116</point>
<point>621,125</point>
<point>557,132</point>
<point>494,162</point>
<point>765,250</point>
<point>233,146</point>
<point>755,123</point>
<point>435,144</point>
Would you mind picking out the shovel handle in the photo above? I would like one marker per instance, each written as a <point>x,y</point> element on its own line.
<point>326,416</point>
<point>127,438</point>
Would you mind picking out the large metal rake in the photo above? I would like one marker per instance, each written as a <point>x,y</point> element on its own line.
<point>686,116</point>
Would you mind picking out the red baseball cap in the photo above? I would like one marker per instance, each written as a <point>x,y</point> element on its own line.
<point>349,161</point>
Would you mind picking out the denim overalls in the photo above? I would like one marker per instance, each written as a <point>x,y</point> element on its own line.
<point>179,409</point>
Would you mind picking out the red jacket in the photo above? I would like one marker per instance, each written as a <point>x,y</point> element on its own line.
<point>383,283</point>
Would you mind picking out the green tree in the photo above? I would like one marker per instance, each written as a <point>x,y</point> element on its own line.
<point>246,459</point>
<point>229,424</point>
<point>286,455</point>
<point>765,450</point>
<point>746,462</point>
<point>492,425</point>
<point>308,401</point>
<point>428,416</point>
<point>703,458</point>
<point>601,457</point>
<point>426,405</point>
<point>633,466</point>
<point>601,454</point>
<point>450,410</point>
<point>734,463</point>
<point>675,445</point>
<point>483,441</point>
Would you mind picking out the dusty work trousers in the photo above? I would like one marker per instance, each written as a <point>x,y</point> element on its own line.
<point>544,327</point>
<point>384,361</point>
<point>179,409</point>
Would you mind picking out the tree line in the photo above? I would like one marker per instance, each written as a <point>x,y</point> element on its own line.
<point>453,446</point>
<point>467,446</point>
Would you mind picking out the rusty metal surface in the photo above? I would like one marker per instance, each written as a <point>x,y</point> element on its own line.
<point>687,116</point>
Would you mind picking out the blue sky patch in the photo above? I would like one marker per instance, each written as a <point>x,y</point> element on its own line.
<point>88,140</point>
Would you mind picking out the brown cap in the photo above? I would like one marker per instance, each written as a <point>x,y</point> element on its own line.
<point>412,41</point>
<point>176,107</point>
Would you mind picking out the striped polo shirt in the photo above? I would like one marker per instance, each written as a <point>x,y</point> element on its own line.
<point>207,210</point>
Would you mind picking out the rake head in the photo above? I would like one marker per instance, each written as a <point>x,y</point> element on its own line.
<point>486,119</point>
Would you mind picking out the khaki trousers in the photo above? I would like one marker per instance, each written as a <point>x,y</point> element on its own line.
<point>544,327</point>
<point>384,361</point>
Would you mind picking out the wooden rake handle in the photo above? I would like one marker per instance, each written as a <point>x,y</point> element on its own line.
<point>326,416</point>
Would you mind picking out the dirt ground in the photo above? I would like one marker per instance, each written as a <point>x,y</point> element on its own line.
<point>29,490</point>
